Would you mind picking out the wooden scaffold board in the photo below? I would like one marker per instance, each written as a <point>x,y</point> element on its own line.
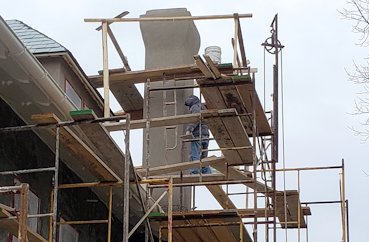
<point>87,157</point>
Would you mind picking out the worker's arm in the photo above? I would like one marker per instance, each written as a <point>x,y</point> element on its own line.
<point>191,127</point>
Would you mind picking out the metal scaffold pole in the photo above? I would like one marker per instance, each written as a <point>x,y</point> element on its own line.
<point>147,143</point>
<point>56,184</point>
<point>273,46</point>
<point>126,182</point>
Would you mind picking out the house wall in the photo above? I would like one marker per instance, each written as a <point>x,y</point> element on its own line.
<point>61,71</point>
<point>24,150</point>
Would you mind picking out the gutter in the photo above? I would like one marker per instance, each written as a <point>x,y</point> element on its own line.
<point>41,78</point>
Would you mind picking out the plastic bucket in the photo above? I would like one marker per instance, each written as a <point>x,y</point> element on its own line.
<point>215,53</point>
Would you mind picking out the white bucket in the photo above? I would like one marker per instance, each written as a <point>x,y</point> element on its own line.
<point>215,53</point>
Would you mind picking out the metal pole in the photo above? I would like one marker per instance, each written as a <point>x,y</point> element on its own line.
<point>126,182</point>
<point>29,171</point>
<point>110,212</point>
<point>22,229</point>
<point>56,184</point>
<point>255,226</point>
<point>347,221</point>
<point>343,199</point>
<point>170,210</point>
<point>275,116</point>
<point>146,214</point>
<point>298,208</point>
<point>147,158</point>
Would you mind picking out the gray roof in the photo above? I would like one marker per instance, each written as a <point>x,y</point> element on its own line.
<point>35,41</point>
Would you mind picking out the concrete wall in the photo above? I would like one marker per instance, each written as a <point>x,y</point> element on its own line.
<point>169,44</point>
<point>23,150</point>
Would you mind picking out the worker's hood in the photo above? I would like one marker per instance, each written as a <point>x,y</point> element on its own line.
<point>192,100</point>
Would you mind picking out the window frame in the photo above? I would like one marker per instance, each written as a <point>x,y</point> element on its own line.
<point>69,84</point>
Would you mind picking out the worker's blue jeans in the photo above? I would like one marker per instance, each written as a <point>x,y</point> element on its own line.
<point>196,153</point>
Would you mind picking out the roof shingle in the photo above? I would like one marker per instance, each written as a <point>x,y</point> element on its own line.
<point>35,41</point>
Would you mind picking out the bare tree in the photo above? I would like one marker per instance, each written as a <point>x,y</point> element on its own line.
<point>358,12</point>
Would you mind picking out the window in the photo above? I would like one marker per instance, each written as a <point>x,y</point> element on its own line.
<point>67,233</point>
<point>72,94</point>
<point>33,208</point>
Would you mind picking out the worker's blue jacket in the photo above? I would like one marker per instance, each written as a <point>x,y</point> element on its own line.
<point>193,103</point>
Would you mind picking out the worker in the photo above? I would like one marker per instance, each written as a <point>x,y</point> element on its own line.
<point>198,145</point>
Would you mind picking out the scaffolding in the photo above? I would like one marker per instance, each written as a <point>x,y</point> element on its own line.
<point>242,130</point>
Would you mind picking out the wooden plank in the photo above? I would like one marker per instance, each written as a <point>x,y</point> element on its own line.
<point>104,144</point>
<point>220,233</point>
<point>185,234</point>
<point>261,119</point>
<point>205,233</point>
<point>234,174</point>
<point>238,96</point>
<point>128,97</point>
<point>220,195</point>
<point>11,226</point>
<point>293,203</point>
<point>239,137</point>
<point>177,167</point>
<point>203,68</point>
<point>171,19</point>
<point>212,66</point>
<point>83,152</point>
<point>155,75</point>
<point>224,140</point>
<point>46,118</point>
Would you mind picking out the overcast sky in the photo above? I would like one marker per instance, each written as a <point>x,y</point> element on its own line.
<point>317,95</point>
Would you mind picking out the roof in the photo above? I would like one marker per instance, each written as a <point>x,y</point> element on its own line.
<point>34,40</point>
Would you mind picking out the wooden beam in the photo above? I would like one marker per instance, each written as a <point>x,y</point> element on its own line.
<point>240,42</point>
<point>238,58</point>
<point>203,68</point>
<point>155,75</point>
<point>148,19</point>
<point>105,70</point>
<point>119,50</point>
<point>235,47</point>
